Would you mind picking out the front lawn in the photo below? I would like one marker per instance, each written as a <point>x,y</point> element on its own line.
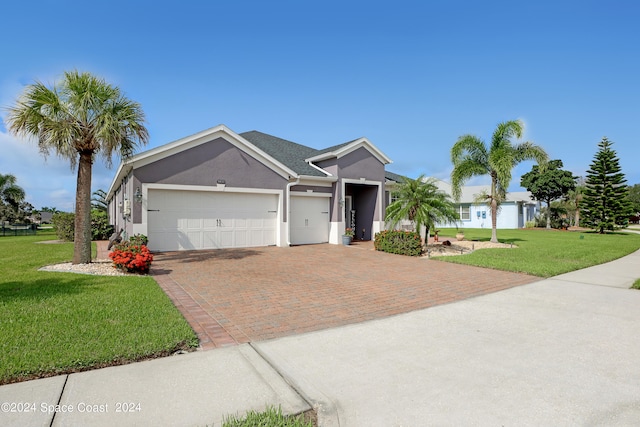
<point>542,252</point>
<point>53,323</point>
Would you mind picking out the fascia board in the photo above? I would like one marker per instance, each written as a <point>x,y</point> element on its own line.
<point>349,148</point>
<point>317,180</point>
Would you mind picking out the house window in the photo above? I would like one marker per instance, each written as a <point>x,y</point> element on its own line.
<point>394,196</point>
<point>465,212</point>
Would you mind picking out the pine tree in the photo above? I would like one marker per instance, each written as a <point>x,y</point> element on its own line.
<point>606,205</point>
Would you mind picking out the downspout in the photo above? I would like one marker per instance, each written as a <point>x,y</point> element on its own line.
<point>288,208</point>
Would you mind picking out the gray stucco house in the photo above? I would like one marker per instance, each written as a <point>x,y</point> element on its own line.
<point>221,189</point>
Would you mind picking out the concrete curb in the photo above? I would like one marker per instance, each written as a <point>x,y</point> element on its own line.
<point>326,408</point>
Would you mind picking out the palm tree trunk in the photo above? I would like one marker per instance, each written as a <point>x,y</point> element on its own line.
<point>82,224</point>
<point>494,210</point>
<point>548,214</point>
<point>494,220</point>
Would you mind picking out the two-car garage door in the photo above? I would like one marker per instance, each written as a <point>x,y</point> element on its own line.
<point>179,220</point>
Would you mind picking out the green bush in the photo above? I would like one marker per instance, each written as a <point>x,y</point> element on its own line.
<point>63,222</point>
<point>100,227</point>
<point>138,239</point>
<point>398,242</point>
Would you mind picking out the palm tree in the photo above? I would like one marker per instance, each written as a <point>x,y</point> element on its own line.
<point>99,201</point>
<point>421,202</point>
<point>471,157</point>
<point>79,118</point>
<point>10,193</point>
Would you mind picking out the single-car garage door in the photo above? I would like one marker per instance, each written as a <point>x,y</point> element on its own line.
<point>182,220</point>
<point>309,220</point>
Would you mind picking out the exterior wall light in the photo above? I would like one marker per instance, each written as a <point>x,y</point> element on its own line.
<point>138,195</point>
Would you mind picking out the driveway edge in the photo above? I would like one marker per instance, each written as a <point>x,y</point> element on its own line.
<point>325,407</point>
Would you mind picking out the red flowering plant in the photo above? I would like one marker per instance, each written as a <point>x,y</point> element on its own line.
<point>130,257</point>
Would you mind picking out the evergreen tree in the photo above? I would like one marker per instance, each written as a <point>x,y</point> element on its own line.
<point>606,204</point>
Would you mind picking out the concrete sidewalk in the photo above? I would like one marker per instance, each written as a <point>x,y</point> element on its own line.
<point>561,351</point>
<point>194,389</point>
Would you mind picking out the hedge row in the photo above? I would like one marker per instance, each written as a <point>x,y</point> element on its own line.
<point>398,242</point>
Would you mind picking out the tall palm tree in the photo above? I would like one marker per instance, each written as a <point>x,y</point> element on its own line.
<point>421,202</point>
<point>471,157</point>
<point>79,118</point>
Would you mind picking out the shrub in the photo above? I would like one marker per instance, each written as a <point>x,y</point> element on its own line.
<point>131,258</point>
<point>139,239</point>
<point>398,242</point>
<point>100,227</point>
<point>63,222</point>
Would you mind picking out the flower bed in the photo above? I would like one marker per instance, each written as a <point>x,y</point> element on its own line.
<point>132,258</point>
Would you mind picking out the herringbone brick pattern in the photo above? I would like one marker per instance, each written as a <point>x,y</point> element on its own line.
<point>241,295</point>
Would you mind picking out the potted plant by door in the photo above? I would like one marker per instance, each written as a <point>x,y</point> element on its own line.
<point>460,235</point>
<point>347,237</point>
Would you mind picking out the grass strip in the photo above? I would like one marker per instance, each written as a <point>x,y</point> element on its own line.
<point>271,417</point>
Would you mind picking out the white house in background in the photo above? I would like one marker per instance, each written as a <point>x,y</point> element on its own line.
<point>514,212</point>
<point>518,208</point>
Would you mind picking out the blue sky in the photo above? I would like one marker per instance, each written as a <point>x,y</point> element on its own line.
<point>411,76</point>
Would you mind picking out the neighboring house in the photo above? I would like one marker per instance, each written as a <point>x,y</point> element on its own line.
<point>514,212</point>
<point>41,218</point>
<point>221,189</point>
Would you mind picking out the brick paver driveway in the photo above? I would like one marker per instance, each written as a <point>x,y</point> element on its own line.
<point>239,295</point>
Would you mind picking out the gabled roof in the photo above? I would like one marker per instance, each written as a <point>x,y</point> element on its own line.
<point>166,150</point>
<point>300,157</point>
<point>341,150</point>
<point>288,153</point>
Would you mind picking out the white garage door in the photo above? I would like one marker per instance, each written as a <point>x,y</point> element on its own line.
<point>309,220</point>
<point>182,220</point>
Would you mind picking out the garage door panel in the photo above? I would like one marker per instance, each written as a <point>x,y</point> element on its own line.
<point>309,220</point>
<point>194,224</point>
<point>206,220</point>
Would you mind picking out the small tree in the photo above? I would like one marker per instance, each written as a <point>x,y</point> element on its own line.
<point>11,196</point>
<point>421,202</point>
<point>606,205</point>
<point>99,201</point>
<point>548,183</point>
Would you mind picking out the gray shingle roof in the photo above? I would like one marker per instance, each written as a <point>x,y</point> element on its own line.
<point>286,152</point>
<point>393,176</point>
<point>334,148</point>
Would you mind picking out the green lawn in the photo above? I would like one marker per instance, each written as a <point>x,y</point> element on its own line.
<point>53,323</point>
<point>545,253</point>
